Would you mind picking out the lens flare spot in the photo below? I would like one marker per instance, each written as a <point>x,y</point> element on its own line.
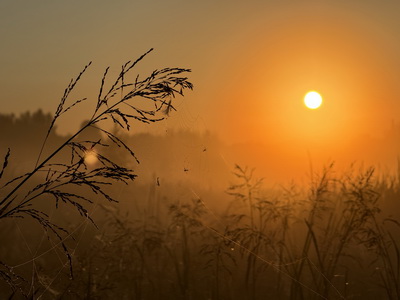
<point>90,157</point>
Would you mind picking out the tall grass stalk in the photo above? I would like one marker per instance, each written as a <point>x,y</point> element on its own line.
<point>351,252</point>
<point>68,183</point>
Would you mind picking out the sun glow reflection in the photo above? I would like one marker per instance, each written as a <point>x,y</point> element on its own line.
<point>90,157</point>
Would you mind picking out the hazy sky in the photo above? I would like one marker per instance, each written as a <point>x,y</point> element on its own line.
<point>252,61</point>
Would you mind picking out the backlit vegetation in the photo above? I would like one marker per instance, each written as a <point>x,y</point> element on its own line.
<point>74,183</point>
<point>336,238</point>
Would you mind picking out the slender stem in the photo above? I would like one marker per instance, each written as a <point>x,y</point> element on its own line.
<point>37,168</point>
<point>55,152</point>
<point>42,164</point>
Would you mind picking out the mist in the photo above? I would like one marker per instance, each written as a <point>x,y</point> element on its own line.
<point>200,205</point>
<point>166,150</point>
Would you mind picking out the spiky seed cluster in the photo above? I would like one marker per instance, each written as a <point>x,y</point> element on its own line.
<point>66,182</point>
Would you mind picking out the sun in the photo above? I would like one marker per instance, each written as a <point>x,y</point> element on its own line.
<point>312,100</point>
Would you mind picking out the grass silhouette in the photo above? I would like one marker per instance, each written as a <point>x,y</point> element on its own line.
<point>327,242</point>
<point>334,239</point>
<point>74,183</point>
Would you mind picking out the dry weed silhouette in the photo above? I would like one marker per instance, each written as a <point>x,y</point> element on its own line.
<point>74,183</point>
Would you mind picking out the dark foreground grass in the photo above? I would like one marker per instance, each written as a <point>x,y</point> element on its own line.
<point>333,240</point>
<point>54,182</point>
<point>336,239</point>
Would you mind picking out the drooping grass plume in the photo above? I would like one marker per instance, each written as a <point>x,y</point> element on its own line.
<point>73,182</point>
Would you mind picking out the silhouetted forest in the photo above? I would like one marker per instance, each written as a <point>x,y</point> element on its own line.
<point>190,155</point>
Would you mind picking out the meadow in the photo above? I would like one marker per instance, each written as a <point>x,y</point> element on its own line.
<point>74,228</point>
<point>331,241</point>
<point>336,238</point>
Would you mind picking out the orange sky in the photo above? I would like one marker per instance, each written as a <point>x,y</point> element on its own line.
<point>252,63</point>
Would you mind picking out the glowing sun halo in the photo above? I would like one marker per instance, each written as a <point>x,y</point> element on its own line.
<point>90,157</point>
<point>312,100</point>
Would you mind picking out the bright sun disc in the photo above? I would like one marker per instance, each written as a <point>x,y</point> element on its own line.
<point>313,100</point>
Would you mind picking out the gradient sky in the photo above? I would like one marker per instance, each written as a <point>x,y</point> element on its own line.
<point>252,61</point>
